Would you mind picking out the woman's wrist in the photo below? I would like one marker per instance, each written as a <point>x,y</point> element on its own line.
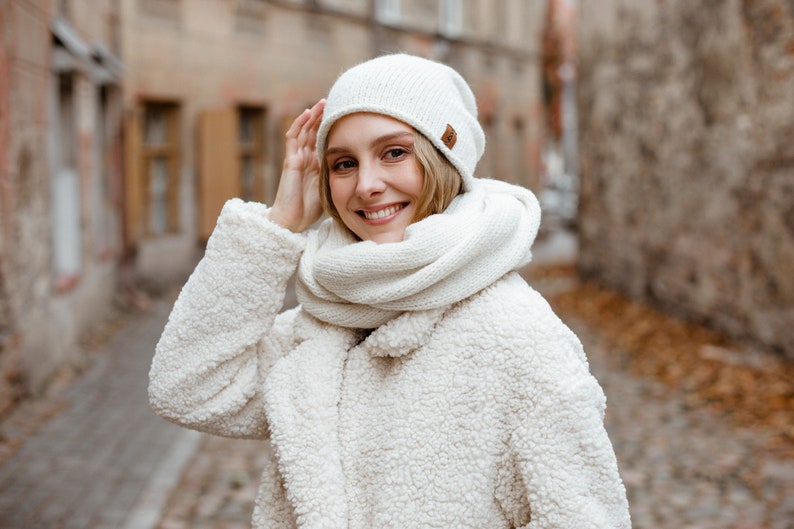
<point>275,216</point>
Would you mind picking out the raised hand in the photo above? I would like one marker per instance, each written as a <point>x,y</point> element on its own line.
<point>297,205</point>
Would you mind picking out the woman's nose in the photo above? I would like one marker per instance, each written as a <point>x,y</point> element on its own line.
<point>370,181</point>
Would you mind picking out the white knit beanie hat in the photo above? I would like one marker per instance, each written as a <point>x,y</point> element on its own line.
<point>430,96</point>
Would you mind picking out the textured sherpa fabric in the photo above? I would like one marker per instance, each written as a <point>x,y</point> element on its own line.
<point>482,414</point>
<point>430,96</point>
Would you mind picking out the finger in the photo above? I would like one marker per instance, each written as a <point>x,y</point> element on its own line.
<point>312,122</point>
<point>315,115</point>
<point>312,125</point>
<point>318,107</point>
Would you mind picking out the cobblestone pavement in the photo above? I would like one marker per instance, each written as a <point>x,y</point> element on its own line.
<point>687,468</point>
<point>107,461</point>
<point>683,468</point>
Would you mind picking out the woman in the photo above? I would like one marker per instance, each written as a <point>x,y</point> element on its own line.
<point>421,382</point>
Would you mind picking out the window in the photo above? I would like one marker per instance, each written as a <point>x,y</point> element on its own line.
<point>519,165</point>
<point>230,156</point>
<point>251,123</point>
<point>451,17</point>
<point>104,172</point>
<point>160,168</point>
<point>67,238</point>
<point>387,11</point>
<point>420,15</point>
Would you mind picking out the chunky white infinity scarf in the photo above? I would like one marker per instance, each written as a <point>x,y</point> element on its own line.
<point>483,234</point>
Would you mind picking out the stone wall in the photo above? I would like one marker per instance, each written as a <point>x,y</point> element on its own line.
<point>687,158</point>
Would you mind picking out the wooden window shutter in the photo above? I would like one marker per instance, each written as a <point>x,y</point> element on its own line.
<point>133,184</point>
<point>218,165</point>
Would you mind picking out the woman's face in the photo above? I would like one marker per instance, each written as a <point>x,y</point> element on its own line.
<point>374,177</point>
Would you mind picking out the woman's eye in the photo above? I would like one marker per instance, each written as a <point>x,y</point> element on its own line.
<point>343,165</point>
<point>396,153</point>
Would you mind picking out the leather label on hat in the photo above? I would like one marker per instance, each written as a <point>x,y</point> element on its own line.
<point>449,137</point>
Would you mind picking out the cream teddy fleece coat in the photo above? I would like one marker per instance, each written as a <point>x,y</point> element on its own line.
<point>482,414</point>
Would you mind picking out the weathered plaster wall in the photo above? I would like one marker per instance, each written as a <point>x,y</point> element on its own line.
<point>42,312</point>
<point>24,61</point>
<point>687,158</point>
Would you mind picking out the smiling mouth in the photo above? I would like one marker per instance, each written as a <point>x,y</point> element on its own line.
<point>382,213</point>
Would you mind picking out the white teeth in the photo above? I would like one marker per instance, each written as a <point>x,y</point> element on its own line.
<point>385,212</point>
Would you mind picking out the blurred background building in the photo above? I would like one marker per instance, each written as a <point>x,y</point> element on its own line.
<point>126,124</point>
<point>211,87</point>
<point>60,182</point>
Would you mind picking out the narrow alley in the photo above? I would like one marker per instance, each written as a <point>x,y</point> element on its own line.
<point>657,135</point>
<point>106,461</point>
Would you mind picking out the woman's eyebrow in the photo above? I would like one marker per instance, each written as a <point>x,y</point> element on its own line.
<point>380,139</point>
<point>335,150</point>
<point>392,136</point>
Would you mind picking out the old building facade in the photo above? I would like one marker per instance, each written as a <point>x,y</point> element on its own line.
<point>125,125</point>
<point>210,88</point>
<point>60,126</point>
<point>687,158</point>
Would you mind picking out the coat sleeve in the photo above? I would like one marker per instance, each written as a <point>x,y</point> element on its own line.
<point>564,457</point>
<point>223,333</point>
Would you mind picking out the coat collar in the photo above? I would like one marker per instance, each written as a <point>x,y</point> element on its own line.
<point>404,334</point>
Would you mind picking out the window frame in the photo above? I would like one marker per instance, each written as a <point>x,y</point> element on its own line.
<point>169,149</point>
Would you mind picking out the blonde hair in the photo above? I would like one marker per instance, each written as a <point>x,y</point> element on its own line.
<point>442,182</point>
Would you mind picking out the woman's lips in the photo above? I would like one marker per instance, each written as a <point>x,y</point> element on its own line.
<point>388,211</point>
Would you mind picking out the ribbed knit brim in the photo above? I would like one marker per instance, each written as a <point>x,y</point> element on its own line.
<point>430,96</point>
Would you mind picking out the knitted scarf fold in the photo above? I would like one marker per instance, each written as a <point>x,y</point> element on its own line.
<point>483,234</point>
